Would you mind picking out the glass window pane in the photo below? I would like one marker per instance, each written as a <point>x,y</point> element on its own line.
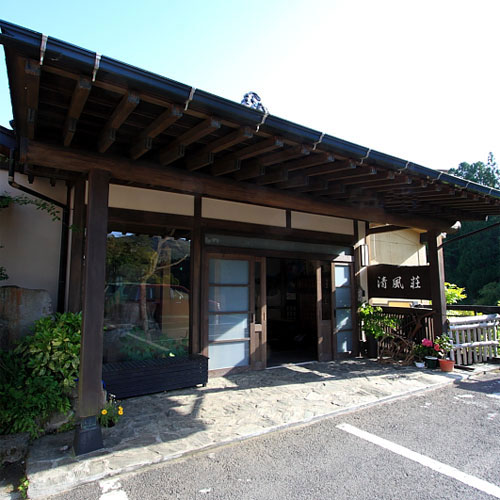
<point>344,319</point>
<point>342,275</point>
<point>343,297</point>
<point>228,298</point>
<point>344,341</point>
<point>146,308</point>
<point>228,272</point>
<point>227,355</point>
<point>227,326</point>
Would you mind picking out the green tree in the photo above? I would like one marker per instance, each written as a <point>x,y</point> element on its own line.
<point>473,262</point>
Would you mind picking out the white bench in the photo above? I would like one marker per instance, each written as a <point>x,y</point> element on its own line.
<point>475,338</point>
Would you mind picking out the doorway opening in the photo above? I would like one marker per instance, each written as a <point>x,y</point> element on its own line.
<point>291,311</point>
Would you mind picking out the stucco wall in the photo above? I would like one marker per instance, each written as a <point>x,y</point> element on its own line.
<point>30,239</point>
<point>312,222</point>
<point>401,248</point>
<point>242,212</point>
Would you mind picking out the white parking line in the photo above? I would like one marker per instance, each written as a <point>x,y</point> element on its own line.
<point>479,484</point>
<point>111,490</point>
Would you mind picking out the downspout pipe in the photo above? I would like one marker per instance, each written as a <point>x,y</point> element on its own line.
<point>63,253</point>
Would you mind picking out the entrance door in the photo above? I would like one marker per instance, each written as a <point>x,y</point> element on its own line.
<point>235,311</point>
<point>334,310</point>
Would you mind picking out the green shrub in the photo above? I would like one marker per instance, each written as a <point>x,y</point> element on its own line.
<point>37,376</point>
<point>54,348</point>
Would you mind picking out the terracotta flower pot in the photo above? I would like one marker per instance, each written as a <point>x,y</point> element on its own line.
<point>446,365</point>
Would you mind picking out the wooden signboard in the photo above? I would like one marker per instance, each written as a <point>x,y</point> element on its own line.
<point>399,282</point>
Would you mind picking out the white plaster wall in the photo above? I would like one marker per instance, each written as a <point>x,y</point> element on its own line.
<point>242,212</point>
<point>30,238</point>
<point>401,248</point>
<point>150,200</point>
<point>323,223</point>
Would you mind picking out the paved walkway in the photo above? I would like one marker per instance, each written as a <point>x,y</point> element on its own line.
<point>164,426</point>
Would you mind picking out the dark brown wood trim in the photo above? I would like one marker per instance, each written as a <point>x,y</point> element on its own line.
<point>80,95</point>
<point>149,220</point>
<point>76,250</point>
<point>193,182</point>
<point>89,384</point>
<point>196,275</point>
<point>437,278</point>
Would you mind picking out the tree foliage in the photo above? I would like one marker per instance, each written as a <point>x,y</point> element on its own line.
<point>474,262</point>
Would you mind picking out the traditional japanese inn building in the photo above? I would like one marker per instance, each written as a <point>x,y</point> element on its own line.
<point>202,226</point>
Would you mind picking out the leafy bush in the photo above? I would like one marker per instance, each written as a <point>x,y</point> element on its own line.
<point>54,348</point>
<point>375,322</point>
<point>37,376</point>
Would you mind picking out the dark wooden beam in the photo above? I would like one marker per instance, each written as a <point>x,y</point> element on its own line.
<point>141,171</point>
<point>246,173</point>
<point>196,280</point>
<point>334,189</point>
<point>320,169</point>
<point>356,173</point>
<point>169,154</point>
<point>224,167</point>
<point>313,185</point>
<point>371,180</point>
<point>120,114</point>
<point>310,161</point>
<point>90,379</point>
<point>144,141</point>
<point>387,185</point>
<point>24,90</point>
<point>199,160</point>
<point>385,229</point>
<point>206,156</point>
<point>294,181</point>
<point>437,279</point>
<point>278,175</point>
<point>75,288</point>
<point>286,155</point>
<point>229,140</point>
<point>80,95</point>
<point>258,148</point>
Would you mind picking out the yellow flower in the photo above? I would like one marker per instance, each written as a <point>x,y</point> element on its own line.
<point>120,412</point>
<point>120,409</point>
<point>104,412</point>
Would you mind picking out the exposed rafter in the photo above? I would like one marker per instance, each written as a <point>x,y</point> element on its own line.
<point>144,142</point>
<point>108,135</point>
<point>80,95</point>
<point>176,148</point>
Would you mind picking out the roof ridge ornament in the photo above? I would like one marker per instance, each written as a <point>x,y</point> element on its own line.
<point>253,100</point>
<point>43,47</point>
<point>190,98</point>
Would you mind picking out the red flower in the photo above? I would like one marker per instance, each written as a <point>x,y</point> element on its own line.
<point>426,343</point>
<point>436,347</point>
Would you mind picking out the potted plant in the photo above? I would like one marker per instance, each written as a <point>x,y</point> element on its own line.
<point>445,346</point>
<point>111,412</point>
<point>432,350</point>
<point>419,353</point>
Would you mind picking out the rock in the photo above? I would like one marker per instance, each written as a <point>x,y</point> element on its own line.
<point>19,309</point>
<point>13,447</point>
<point>58,420</point>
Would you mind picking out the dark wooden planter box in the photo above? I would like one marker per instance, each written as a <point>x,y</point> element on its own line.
<point>136,378</point>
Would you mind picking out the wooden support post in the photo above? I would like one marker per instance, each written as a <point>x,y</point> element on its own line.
<point>88,433</point>
<point>196,235</point>
<point>76,251</point>
<point>436,261</point>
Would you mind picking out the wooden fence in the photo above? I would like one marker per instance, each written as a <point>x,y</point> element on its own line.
<point>475,338</point>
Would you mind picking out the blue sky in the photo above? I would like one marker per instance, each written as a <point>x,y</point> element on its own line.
<point>415,79</point>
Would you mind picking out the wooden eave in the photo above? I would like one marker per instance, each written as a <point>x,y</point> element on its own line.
<point>146,137</point>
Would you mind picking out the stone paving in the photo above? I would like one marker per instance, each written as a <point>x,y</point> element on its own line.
<point>164,426</point>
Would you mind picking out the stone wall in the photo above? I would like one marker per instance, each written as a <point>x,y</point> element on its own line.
<point>19,309</point>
